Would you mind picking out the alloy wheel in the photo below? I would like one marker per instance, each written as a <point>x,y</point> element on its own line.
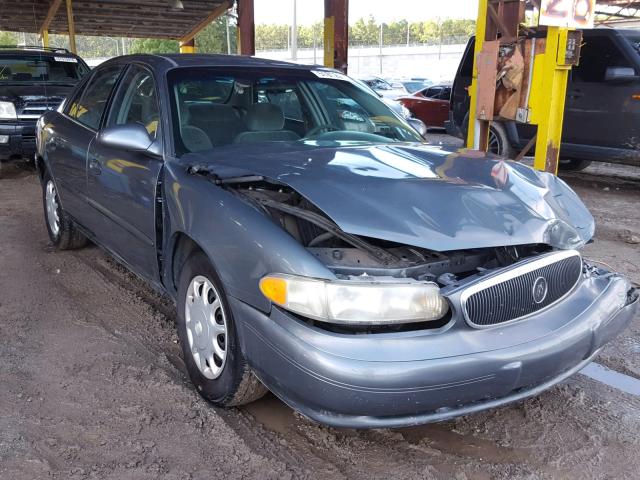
<point>206,327</point>
<point>51,200</point>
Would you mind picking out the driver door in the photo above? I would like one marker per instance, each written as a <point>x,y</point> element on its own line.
<point>122,185</point>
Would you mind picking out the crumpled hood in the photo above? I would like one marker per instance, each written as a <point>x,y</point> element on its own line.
<point>419,195</point>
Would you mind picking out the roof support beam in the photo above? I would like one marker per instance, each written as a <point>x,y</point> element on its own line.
<point>51,13</point>
<point>220,10</point>
<point>246,28</point>
<point>72,26</point>
<point>336,34</point>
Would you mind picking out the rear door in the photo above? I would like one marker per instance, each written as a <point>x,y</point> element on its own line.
<point>122,185</point>
<point>598,112</point>
<point>72,134</point>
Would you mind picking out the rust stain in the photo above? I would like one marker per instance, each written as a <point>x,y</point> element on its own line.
<point>551,163</point>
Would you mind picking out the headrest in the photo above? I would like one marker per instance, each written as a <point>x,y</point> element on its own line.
<point>264,117</point>
<point>212,111</point>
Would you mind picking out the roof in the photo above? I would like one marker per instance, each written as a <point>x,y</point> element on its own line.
<point>35,51</point>
<point>168,61</point>
<point>125,18</point>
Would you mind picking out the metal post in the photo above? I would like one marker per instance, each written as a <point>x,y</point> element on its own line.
<point>72,27</point>
<point>381,41</point>
<point>548,111</point>
<point>45,38</point>
<point>294,34</point>
<point>188,47</point>
<point>474,132</point>
<point>226,18</point>
<point>246,28</point>
<point>336,34</point>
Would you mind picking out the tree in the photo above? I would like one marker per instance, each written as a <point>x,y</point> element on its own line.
<point>8,38</point>
<point>154,45</point>
<point>213,39</point>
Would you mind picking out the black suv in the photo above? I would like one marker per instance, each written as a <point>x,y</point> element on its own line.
<point>32,81</point>
<point>602,110</point>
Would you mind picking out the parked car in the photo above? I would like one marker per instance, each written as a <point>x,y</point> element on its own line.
<point>431,105</point>
<point>602,109</point>
<point>397,107</point>
<point>32,81</point>
<point>322,250</point>
<point>412,85</point>
<point>384,88</point>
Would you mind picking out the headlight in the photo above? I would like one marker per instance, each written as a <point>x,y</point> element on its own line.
<point>405,112</point>
<point>354,302</point>
<point>7,111</point>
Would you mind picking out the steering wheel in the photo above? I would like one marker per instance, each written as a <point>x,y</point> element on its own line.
<point>317,130</point>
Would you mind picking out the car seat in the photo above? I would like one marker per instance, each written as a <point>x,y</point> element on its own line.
<point>265,122</point>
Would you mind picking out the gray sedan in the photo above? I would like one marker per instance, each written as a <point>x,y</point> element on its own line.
<point>315,246</point>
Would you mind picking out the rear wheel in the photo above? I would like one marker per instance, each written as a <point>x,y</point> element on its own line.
<point>62,231</point>
<point>499,143</point>
<point>573,164</point>
<point>209,338</point>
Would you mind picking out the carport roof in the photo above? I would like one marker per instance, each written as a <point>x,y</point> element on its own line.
<point>118,18</point>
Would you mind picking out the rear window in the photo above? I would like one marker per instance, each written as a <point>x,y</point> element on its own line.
<point>34,69</point>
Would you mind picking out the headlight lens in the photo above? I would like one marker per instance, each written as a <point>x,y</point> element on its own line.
<point>405,112</point>
<point>356,303</point>
<point>7,111</point>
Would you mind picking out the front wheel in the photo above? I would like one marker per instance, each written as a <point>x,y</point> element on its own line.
<point>63,233</point>
<point>209,338</point>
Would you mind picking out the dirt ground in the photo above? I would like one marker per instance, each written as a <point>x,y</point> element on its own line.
<point>92,383</point>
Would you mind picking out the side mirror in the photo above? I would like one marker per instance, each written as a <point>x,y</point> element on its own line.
<point>131,137</point>
<point>620,75</point>
<point>418,125</point>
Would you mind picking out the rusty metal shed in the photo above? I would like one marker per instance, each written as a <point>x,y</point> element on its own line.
<point>126,18</point>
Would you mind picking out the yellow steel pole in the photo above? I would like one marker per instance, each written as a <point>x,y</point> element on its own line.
<point>188,47</point>
<point>548,95</point>
<point>473,141</point>
<point>72,26</point>
<point>45,38</point>
<point>329,37</point>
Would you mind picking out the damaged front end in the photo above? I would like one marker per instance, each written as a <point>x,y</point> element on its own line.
<point>380,285</point>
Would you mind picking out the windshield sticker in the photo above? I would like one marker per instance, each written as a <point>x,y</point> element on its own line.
<point>330,74</point>
<point>65,59</point>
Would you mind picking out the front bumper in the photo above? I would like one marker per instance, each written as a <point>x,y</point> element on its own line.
<point>401,379</point>
<point>22,140</point>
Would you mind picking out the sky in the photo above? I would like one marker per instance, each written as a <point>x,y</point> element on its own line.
<point>310,11</point>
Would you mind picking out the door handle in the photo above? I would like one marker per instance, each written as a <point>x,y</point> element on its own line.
<point>95,167</point>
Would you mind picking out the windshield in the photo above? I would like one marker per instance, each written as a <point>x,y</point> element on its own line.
<point>34,69</point>
<point>214,107</point>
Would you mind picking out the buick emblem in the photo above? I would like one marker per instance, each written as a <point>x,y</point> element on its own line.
<point>540,288</point>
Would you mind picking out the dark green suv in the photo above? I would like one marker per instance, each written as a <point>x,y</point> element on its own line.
<point>602,110</point>
<point>32,81</point>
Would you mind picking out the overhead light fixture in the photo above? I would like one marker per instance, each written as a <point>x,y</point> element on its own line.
<point>176,5</point>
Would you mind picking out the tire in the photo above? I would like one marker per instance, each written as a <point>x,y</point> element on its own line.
<point>229,381</point>
<point>573,164</point>
<point>62,231</point>
<point>499,143</point>
<point>497,136</point>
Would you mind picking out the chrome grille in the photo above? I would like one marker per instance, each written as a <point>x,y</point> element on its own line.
<point>522,290</point>
<point>34,109</point>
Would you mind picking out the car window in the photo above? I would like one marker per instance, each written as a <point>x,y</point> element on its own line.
<point>136,101</point>
<point>598,54</point>
<point>213,107</point>
<point>433,92</point>
<point>64,69</point>
<point>88,109</point>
